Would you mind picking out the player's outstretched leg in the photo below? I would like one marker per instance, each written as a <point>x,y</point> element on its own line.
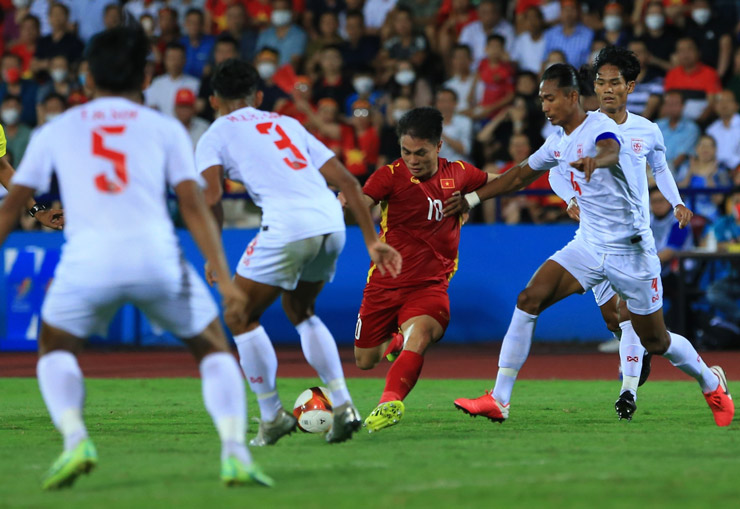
<point>63,389</point>
<point>225,399</point>
<point>321,352</point>
<point>631,354</point>
<point>494,405</point>
<point>259,363</point>
<point>682,354</point>
<point>421,332</point>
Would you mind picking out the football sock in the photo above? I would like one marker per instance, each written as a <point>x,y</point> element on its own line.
<point>63,389</point>
<point>631,354</point>
<point>225,400</point>
<point>321,352</point>
<point>514,352</point>
<point>682,354</point>
<point>259,363</point>
<point>402,376</point>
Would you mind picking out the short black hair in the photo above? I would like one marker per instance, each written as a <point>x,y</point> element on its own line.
<point>621,58</point>
<point>11,97</point>
<point>60,5</point>
<point>228,39</point>
<point>235,79</point>
<point>496,37</point>
<point>117,59</point>
<point>54,95</point>
<point>449,91</point>
<point>463,47</point>
<point>195,10</point>
<point>355,13</point>
<point>565,75</point>
<point>424,123</point>
<point>175,45</point>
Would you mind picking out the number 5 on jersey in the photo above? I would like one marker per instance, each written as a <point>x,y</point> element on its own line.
<point>102,182</point>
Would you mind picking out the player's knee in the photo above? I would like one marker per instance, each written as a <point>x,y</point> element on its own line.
<point>655,343</point>
<point>529,302</point>
<point>365,363</point>
<point>612,321</point>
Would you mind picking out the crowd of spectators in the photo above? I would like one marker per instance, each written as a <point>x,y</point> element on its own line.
<point>348,69</point>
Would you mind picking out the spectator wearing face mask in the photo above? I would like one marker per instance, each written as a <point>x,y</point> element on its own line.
<point>405,82</point>
<point>17,133</point>
<point>283,35</point>
<point>266,63</point>
<point>13,84</point>
<point>659,37</point>
<point>389,149</point>
<point>61,82</point>
<point>363,82</point>
<point>60,41</point>
<point>614,32</point>
<point>711,33</point>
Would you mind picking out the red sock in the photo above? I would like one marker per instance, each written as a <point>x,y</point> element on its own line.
<point>402,376</point>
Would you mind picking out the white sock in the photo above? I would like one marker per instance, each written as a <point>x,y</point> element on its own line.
<point>259,363</point>
<point>321,352</point>
<point>631,353</point>
<point>63,389</point>
<point>225,400</point>
<point>682,354</point>
<point>514,352</point>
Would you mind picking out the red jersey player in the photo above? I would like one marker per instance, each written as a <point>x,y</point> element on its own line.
<point>411,192</point>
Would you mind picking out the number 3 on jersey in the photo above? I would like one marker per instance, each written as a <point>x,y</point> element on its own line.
<point>284,143</point>
<point>102,182</point>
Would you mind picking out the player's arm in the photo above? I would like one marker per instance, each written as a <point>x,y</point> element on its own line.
<point>12,206</point>
<point>384,256</point>
<point>665,181</point>
<point>214,177</point>
<point>607,155</point>
<point>51,218</point>
<point>564,189</point>
<point>519,177</point>
<point>203,228</point>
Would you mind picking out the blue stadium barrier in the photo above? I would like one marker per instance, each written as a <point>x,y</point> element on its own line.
<point>496,261</point>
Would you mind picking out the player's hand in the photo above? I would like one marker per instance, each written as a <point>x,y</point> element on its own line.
<point>210,275</point>
<point>683,215</point>
<point>51,218</point>
<point>573,210</point>
<point>342,200</point>
<point>585,164</point>
<point>234,302</point>
<point>456,205</point>
<point>385,258</point>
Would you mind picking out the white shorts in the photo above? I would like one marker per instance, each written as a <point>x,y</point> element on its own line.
<point>312,260</point>
<point>603,293</point>
<point>183,305</point>
<point>634,276</point>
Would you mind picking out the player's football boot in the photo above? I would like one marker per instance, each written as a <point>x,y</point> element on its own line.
<point>394,347</point>
<point>347,420</point>
<point>625,406</point>
<point>720,400</point>
<point>385,414</point>
<point>235,473</point>
<point>645,372</point>
<point>70,465</point>
<point>485,406</point>
<point>271,432</point>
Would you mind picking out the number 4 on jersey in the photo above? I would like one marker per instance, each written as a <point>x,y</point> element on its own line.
<point>102,182</point>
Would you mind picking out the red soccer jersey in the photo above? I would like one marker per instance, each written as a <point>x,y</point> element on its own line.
<point>412,219</point>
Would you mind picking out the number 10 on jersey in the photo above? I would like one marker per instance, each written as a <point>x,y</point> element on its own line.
<point>435,210</point>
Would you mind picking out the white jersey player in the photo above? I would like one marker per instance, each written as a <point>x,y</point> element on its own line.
<point>114,160</point>
<point>610,188</point>
<point>285,170</point>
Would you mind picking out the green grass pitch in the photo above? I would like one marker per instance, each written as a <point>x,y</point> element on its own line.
<point>562,447</point>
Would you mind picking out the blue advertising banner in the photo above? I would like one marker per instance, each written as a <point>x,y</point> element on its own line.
<point>496,262</point>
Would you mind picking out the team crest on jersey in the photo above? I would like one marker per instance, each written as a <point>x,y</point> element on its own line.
<point>579,151</point>
<point>637,145</point>
<point>557,154</point>
<point>447,183</point>
<point>414,180</point>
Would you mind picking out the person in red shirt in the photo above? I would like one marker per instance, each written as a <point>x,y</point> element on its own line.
<point>411,192</point>
<point>360,141</point>
<point>497,76</point>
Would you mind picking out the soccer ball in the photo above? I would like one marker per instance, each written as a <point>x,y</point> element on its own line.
<point>313,410</point>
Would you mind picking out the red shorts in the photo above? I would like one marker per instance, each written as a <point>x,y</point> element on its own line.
<point>383,310</point>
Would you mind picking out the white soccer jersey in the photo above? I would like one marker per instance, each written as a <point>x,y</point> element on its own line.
<point>114,160</point>
<point>614,213</point>
<point>278,162</point>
